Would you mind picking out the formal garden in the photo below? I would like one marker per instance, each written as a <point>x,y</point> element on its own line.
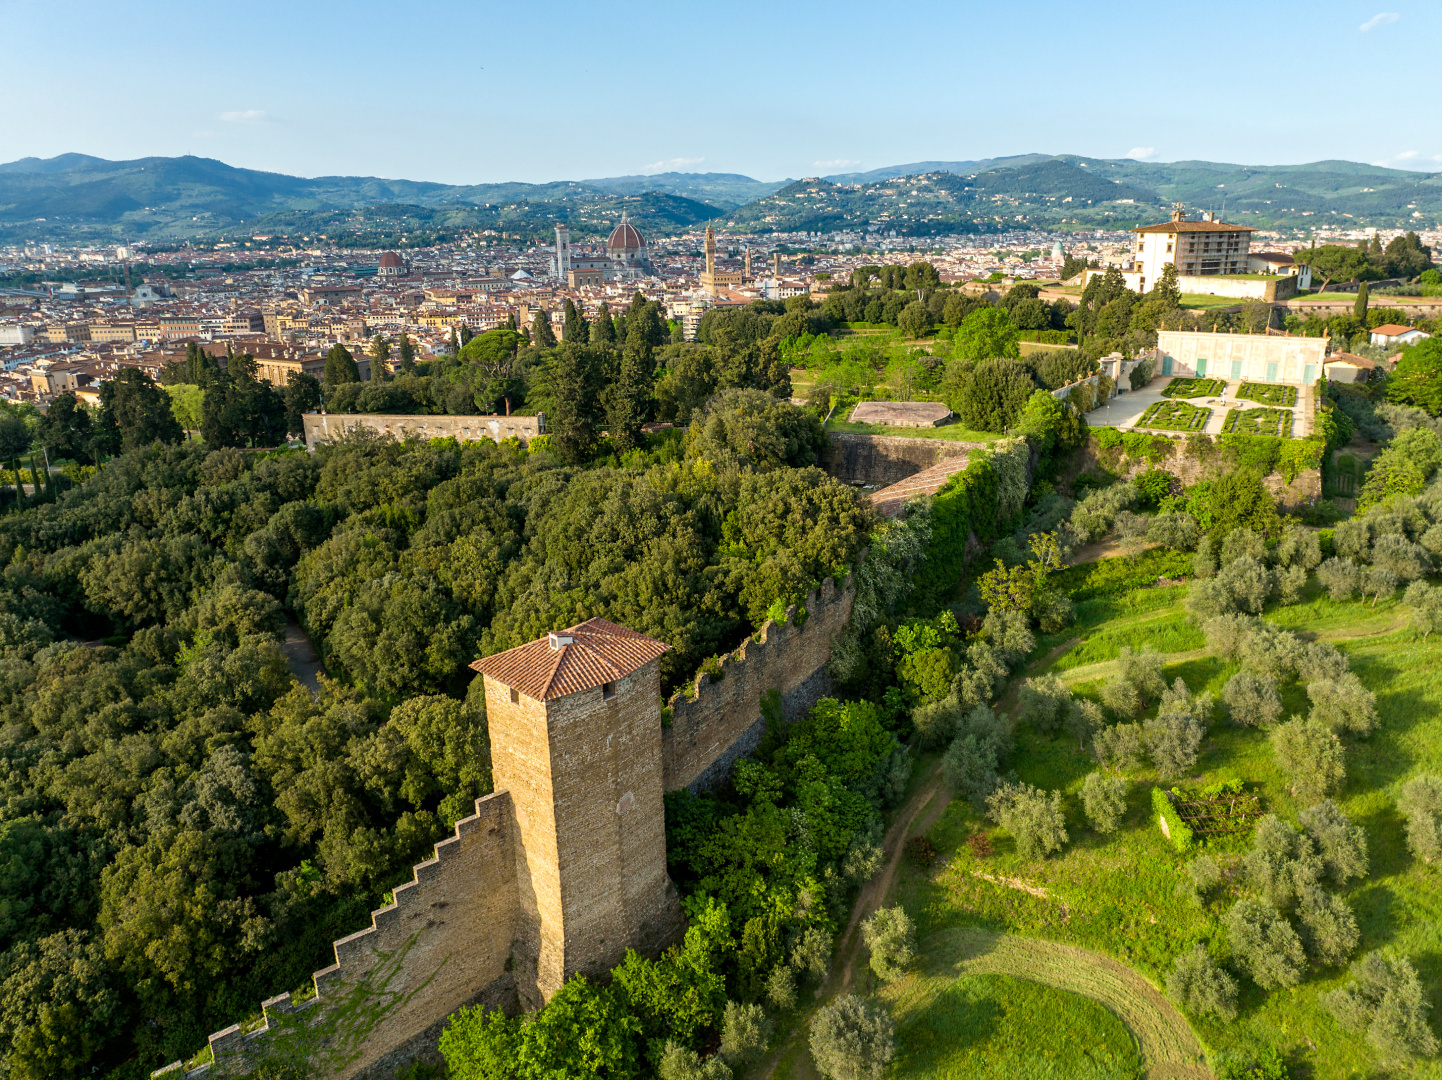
<point>1175,416</point>
<point>1189,388</point>
<point>1268,393</point>
<point>1258,421</point>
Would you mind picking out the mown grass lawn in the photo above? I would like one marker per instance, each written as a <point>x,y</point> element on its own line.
<point>1117,894</point>
<point>996,1026</point>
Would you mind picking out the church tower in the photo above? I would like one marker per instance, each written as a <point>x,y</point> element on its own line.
<point>710,251</point>
<point>563,253</point>
<point>575,727</point>
<point>746,271</point>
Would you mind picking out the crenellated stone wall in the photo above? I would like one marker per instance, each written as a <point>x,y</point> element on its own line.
<point>444,943</point>
<point>722,721</point>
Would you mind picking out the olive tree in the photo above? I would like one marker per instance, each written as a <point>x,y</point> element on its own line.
<point>891,939</point>
<point>1118,747</point>
<point>1034,818</point>
<point>1104,799</point>
<point>1042,702</point>
<point>1311,756</point>
<point>1421,805</point>
<point>1200,987</point>
<point>1282,863</point>
<point>1342,845</point>
<point>1342,578</point>
<point>1202,876</point>
<point>1173,739</point>
<point>1343,704</point>
<point>1265,944</point>
<point>744,1033</point>
<point>852,1039</point>
<point>1252,700</point>
<point>682,1063</point>
<point>1426,604</point>
<point>1386,1002</point>
<point>1329,929</point>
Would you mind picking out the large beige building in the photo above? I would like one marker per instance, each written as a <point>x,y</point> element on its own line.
<point>1195,248</point>
<point>1251,357</point>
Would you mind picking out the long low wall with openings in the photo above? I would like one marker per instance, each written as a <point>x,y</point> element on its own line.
<point>722,721</point>
<point>327,427</point>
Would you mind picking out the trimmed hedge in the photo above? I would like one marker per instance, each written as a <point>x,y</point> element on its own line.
<point>1259,422</point>
<point>1170,822</point>
<point>1268,393</point>
<point>1185,388</point>
<point>1175,415</point>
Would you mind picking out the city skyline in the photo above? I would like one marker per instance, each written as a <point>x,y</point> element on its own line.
<point>504,94</point>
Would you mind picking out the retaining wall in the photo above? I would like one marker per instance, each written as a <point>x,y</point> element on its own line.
<point>325,427</point>
<point>885,459</point>
<point>1303,491</point>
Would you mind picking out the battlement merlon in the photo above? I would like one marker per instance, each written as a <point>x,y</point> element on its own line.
<point>721,720</point>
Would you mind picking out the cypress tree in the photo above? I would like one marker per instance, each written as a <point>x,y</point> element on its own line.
<point>1359,309</point>
<point>407,350</point>
<point>340,366</point>
<point>576,328</point>
<point>603,330</point>
<point>573,393</point>
<point>510,323</point>
<point>631,393</point>
<point>542,336</point>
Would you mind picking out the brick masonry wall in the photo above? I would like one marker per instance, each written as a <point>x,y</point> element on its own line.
<point>444,943</point>
<point>722,722</point>
<point>321,428</point>
<point>885,459</point>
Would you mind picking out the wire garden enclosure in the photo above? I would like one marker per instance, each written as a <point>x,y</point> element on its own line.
<point>1212,814</point>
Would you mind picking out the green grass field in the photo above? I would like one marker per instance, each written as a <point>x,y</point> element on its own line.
<point>1116,894</point>
<point>996,1026</point>
<point>953,432</point>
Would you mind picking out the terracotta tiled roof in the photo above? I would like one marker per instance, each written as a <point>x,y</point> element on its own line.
<point>624,237</point>
<point>568,661</point>
<point>1391,329</point>
<point>1349,358</point>
<point>1194,226</point>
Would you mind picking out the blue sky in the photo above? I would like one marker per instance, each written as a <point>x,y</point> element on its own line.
<point>479,92</point>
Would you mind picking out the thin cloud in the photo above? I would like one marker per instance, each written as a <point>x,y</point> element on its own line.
<point>839,163</point>
<point>672,164</point>
<point>245,116</point>
<point>1141,153</point>
<point>1407,159</point>
<point>1382,18</point>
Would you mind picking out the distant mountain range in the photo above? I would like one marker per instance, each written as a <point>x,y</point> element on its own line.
<point>76,196</point>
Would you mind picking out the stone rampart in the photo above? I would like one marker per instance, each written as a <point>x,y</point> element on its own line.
<point>886,459</point>
<point>326,427</point>
<point>722,721</point>
<point>1302,491</point>
<point>443,943</point>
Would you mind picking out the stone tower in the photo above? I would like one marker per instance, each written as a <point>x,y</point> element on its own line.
<point>710,251</point>
<point>746,269</point>
<point>563,252</point>
<point>575,728</point>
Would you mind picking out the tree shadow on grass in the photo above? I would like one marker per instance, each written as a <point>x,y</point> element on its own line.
<point>953,1020</point>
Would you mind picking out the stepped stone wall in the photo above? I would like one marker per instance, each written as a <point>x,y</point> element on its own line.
<point>885,459</point>
<point>722,722</point>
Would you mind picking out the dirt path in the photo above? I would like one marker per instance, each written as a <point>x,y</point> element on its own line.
<point>1169,1048</point>
<point>300,654</point>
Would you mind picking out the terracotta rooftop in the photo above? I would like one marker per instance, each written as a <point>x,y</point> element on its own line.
<point>1349,358</point>
<point>1392,329</point>
<point>1194,226</point>
<point>581,657</point>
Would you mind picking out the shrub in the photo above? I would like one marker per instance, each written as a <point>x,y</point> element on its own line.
<point>1033,818</point>
<point>811,955</point>
<point>1118,747</point>
<point>1426,604</point>
<point>1340,577</point>
<point>1386,1001</point>
<point>1200,987</point>
<point>1300,547</point>
<point>1202,876</point>
<point>744,1033</point>
<point>1343,704</point>
<point>1318,660</point>
<point>1173,530</point>
<point>1311,756</point>
<point>891,939</point>
<point>1265,944</point>
<point>1282,863</point>
<point>682,1063</point>
<point>1104,799</point>
<point>781,988</point>
<point>1170,822</point>
<point>1342,845</point>
<point>852,1039</point>
<point>1329,929</point>
<point>1421,805</point>
<point>1252,701</point>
